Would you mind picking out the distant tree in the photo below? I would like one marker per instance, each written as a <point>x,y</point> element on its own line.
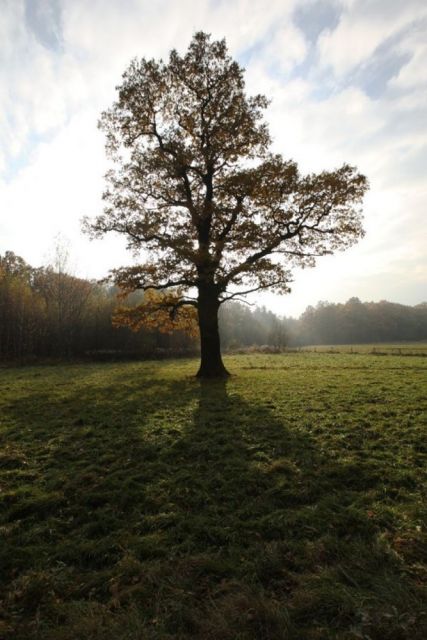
<point>66,298</point>
<point>278,334</point>
<point>218,215</point>
<point>20,311</point>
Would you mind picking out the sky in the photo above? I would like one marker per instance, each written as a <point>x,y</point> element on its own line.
<point>347,81</point>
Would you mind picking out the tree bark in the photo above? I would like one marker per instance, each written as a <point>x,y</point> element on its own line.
<point>211,364</point>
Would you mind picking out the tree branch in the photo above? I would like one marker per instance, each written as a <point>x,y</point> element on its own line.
<point>253,290</point>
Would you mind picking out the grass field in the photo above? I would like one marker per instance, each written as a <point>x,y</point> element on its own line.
<point>287,503</point>
<point>386,349</point>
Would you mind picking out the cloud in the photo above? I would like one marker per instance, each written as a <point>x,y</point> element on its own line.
<point>40,86</point>
<point>414,73</point>
<point>285,48</point>
<point>385,63</point>
<point>364,25</point>
<point>62,183</point>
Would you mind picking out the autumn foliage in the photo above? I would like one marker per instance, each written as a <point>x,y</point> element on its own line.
<point>156,312</point>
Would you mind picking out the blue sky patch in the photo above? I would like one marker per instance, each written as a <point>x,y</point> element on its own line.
<point>314,17</point>
<point>43,19</point>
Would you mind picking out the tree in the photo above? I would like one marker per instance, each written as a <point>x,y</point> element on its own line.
<point>16,308</point>
<point>195,186</point>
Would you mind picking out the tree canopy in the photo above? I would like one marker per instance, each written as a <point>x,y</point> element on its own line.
<point>196,186</point>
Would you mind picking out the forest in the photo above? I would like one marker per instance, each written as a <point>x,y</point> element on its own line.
<point>46,312</point>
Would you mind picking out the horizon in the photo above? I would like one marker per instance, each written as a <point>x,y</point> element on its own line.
<point>346,80</point>
<point>67,269</point>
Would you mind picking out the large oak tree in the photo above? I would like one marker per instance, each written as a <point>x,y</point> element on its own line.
<point>195,185</point>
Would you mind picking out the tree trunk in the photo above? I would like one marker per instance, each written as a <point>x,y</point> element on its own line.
<point>211,365</point>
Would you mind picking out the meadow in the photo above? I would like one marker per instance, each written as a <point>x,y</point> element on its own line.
<point>285,503</point>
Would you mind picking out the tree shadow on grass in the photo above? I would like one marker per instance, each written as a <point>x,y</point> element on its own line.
<point>179,509</point>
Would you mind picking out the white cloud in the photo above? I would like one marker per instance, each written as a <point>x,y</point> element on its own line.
<point>364,25</point>
<point>285,49</point>
<point>414,73</point>
<point>49,196</point>
<point>245,23</point>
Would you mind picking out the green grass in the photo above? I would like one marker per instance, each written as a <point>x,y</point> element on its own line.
<point>396,348</point>
<point>137,503</point>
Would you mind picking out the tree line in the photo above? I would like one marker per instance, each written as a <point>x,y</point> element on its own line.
<point>359,322</point>
<point>46,312</point>
<point>352,322</point>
